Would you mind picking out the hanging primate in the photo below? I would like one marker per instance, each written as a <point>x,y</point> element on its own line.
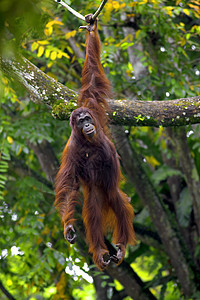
<point>90,160</point>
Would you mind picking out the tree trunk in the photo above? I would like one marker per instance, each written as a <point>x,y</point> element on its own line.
<point>133,166</point>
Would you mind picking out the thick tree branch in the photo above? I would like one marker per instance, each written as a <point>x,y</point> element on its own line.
<point>62,100</point>
<point>41,87</point>
<point>189,170</point>
<point>156,113</point>
<point>133,166</point>
<point>133,285</point>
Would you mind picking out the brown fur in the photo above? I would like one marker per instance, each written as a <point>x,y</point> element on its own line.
<point>94,165</point>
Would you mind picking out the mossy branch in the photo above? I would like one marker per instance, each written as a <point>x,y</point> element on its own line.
<point>62,100</point>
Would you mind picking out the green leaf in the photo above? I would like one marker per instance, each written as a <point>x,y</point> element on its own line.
<point>184,207</point>
<point>163,172</point>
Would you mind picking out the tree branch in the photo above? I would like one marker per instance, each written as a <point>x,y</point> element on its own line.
<point>74,12</point>
<point>6,292</point>
<point>133,285</point>
<point>133,166</point>
<point>189,170</point>
<point>101,6</point>
<point>77,14</point>
<point>147,236</point>
<point>166,113</point>
<point>63,100</point>
<point>41,87</point>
